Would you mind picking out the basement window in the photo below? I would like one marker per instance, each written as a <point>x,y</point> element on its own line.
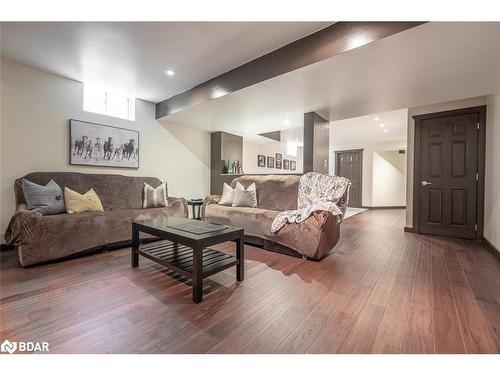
<point>105,102</point>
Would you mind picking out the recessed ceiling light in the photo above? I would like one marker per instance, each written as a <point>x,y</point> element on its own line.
<point>170,72</point>
<point>376,119</point>
<point>381,125</point>
<point>286,122</point>
<point>246,131</point>
<point>386,131</point>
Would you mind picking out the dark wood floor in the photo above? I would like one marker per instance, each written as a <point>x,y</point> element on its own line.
<point>380,291</point>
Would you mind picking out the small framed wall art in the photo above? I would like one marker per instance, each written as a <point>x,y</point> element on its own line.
<point>261,160</point>
<point>270,162</point>
<point>279,161</point>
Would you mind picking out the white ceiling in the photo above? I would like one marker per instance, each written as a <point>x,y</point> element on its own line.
<point>370,128</point>
<point>131,57</point>
<point>431,63</point>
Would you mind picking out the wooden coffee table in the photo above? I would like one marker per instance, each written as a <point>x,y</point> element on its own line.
<point>188,253</point>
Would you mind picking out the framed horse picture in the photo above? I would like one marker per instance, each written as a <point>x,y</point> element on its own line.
<point>103,145</point>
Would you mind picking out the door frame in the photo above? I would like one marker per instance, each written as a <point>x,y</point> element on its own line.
<point>360,151</point>
<point>481,155</point>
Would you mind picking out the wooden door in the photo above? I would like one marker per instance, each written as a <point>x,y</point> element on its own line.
<point>349,164</point>
<point>447,172</point>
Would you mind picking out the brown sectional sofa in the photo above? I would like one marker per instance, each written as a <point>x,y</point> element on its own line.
<point>312,238</point>
<point>42,238</point>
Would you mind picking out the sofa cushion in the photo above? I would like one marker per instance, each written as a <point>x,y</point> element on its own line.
<point>313,237</point>
<point>48,199</point>
<point>43,238</point>
<point>119,223</point>
<point>274,192</point>
<point>255,220</point>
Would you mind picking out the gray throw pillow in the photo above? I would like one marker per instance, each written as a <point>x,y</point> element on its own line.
<point>48,199</point>
<point>245,198</point>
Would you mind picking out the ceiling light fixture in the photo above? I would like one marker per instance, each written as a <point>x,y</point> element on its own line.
<point>386,131</point>
<point>376,119</point>
<point>217,92</point>
<point>381,125</point>
<point>286,122</point>
<point>170,72</point>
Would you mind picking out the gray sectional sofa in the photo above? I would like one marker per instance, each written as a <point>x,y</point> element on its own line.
<point>312,238</point>
<point>42,238</point>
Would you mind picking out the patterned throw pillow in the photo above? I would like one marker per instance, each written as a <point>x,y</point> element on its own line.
<point>48,199</point>
<point>76,202</point>
<point>245,198</point>
<point>227,195</point>
<point>155,197</point>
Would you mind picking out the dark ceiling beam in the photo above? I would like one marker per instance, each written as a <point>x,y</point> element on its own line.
<point>328,42</point>
<point>275,136</point>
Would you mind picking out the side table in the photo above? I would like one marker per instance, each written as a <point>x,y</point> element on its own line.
<point>196,207</point>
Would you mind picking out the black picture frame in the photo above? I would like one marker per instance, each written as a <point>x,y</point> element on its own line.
<point>78,159</point>
<point>293,165</point>
<point>270,162</point>
<point>261,160</point>
<point>279,161</point>
<point>286,164</point>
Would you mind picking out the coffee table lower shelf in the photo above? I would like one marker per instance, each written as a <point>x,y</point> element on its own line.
<point>188,253</point>
<point>180,258</point>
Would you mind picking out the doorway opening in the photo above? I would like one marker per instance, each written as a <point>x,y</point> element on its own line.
<point>371,151</point>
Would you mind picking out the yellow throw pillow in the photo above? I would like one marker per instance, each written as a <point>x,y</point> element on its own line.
<point>76,202</point>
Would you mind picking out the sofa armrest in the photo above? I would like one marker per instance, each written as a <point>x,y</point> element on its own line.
<point>180,204</point>
<point>210,199</point>
<point>24,225</point>
<point>330,234</point>
<point>314,237</point>
<point>22,208</point>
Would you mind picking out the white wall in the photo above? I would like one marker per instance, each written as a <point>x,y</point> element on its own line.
<point>251,149</point>
<point>389,178</point>
<point>492,177</point>
<point>457,104</point>
<point>369,197</point>
<point>35,109</point>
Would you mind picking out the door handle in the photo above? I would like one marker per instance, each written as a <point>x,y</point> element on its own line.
<point>425,183</point>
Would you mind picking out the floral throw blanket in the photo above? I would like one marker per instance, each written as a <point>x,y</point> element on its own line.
<point>317,192</point>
